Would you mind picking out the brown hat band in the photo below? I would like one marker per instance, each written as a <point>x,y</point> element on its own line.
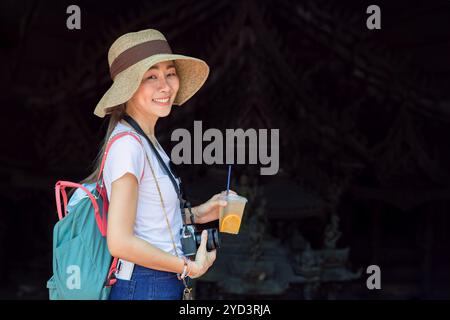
<point>138,53</point>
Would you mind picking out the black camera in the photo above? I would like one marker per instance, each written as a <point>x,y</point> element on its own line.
<point>191,239</point>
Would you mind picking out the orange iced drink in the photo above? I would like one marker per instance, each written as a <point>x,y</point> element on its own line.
<point>230,217</point>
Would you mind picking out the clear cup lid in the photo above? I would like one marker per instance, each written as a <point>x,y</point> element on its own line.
<point>234,197</point>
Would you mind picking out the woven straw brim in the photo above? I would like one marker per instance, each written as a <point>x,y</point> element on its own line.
<point>192,73</point>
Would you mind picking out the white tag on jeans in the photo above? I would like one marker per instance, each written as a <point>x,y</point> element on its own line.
<point>124,270</point>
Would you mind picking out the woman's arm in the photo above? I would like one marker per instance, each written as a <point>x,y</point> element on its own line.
<point>122,243</point>
<point>200,219</point>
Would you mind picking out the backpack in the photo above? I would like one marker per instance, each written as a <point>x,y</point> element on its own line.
<point>83,267</point>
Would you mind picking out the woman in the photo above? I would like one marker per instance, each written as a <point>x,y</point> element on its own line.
<point>148,80</point>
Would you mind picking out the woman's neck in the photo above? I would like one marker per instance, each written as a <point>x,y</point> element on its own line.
<point>151,136</point>
<point>147,124</point>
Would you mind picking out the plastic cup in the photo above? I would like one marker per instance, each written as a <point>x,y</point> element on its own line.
<point>230,216</point>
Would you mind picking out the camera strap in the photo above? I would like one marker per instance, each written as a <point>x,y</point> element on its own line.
<point>179,190</point>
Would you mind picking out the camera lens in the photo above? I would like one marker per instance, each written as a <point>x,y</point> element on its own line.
<point>213,239</point>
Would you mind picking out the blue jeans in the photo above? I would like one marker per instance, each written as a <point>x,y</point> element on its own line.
<point>148,284</point>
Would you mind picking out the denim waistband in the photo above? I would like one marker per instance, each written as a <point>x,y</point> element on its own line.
<point>148,284</point>
<point>144,270</point>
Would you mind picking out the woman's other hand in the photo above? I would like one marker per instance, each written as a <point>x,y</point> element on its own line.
<point>203,259</point>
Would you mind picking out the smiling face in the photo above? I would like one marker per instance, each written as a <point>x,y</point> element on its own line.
<point>157,91</point>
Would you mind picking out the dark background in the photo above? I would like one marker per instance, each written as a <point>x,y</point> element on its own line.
<point>363,118</point>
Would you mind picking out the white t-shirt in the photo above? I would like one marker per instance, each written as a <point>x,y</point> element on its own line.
<point>127,155</point>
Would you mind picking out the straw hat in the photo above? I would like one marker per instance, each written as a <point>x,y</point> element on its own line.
<point>132,54</point>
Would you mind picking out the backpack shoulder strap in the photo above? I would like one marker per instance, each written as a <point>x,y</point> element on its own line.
<point>108,147</point>
<point>110,278</point>
<point>100,183</point>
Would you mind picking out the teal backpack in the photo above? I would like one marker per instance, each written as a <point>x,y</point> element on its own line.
<point>83,268</point>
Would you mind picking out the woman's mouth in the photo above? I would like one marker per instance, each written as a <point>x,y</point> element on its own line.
<point>162,102</point>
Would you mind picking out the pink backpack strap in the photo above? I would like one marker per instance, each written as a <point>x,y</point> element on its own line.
<point>110,142</point>
<point>101,189</point>
<point>110,279</point>
<point>60,189</point>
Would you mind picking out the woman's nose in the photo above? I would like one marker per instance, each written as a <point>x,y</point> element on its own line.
<point>164,85</point>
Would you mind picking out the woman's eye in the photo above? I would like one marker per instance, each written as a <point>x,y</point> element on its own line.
<point>154,77</point>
